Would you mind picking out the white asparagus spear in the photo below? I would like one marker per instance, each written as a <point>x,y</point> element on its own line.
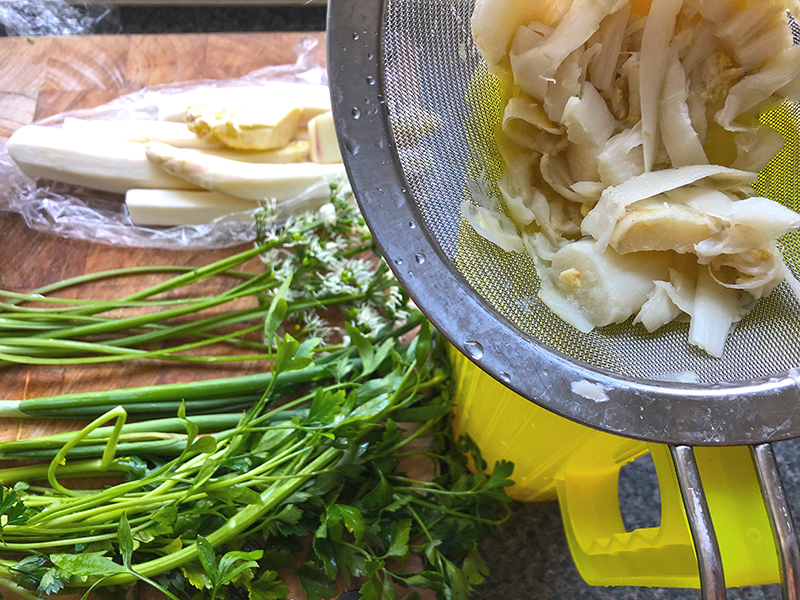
<point>174,134</point>
<point>324,144</point>
<point>246,180</point>
<point>110,166</point>
<point>180,207</point>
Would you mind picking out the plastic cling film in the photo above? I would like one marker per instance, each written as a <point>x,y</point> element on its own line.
<point>91,215</point>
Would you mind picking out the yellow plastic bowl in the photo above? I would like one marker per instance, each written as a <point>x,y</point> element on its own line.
<point>556,458</point>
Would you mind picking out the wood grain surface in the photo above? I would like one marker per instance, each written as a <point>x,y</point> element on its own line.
<point>43,76</point>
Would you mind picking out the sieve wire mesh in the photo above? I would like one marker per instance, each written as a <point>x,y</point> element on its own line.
<point>431,67</point>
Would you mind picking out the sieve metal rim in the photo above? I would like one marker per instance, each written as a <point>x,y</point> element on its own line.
<point>765,410</point>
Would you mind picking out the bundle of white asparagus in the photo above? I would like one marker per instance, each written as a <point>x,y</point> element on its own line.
<point>211,153</point>
<point>631,136</point>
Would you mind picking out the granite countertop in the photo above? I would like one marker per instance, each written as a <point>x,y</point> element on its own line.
<point>528,556</point>
<point>207,19</point>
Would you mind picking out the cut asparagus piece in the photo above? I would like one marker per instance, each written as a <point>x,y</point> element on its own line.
<point>324,144</point>
<point>246,180</point>
<point>180,207</point>
<point>110,166</point>
<point>608,287</point>
<point>657,224</point>
<point>254,128</point>
<point>311,99</point>
<point>296,151</point>
<point>174,134</point>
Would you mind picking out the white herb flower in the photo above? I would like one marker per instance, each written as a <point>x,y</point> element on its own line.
<point>401,315</point>
<point>292,226</point>
<point>361,273</point>
<point>316,326</point>
<point>328,214</point>
<point>394,299</point>
<point>270,235</point>
<point>283,271</point>
<point>270,209</point>
<point>345,276</point>
<point>327,254</point>
<point>310,241</point>
<point>338,245</point>
<point>369,318</point>
<point>271,257</point>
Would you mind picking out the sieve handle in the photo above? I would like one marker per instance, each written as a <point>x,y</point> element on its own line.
<point>780,516</point>
<point>709,560</point>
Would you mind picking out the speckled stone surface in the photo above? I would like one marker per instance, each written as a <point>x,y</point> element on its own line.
<point>208,19</point>
<point>34,17</point>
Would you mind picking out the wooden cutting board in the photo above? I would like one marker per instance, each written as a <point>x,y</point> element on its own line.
<point>40,77</point>
<point>43,76</point>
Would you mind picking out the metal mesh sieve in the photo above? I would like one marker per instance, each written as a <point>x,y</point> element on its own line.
<point>416,109</point>
<point>437,66</point>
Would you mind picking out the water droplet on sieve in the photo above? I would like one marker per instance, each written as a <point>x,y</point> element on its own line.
<point>398,261</point>
<point>356,112</point>
<point>370,80</point>
<point>412,225</point>
<point>355,35</point>
<point>370,56</point>
<point>351,146</point>
<point>373,111</point>
<point>474,349</point>
<point>505,377</point>
<point>420,258</point>
<point>380,144</point>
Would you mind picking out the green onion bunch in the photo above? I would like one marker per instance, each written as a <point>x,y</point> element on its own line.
<point>169,321</point>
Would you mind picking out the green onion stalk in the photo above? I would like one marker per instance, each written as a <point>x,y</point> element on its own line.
<point>226,485</point>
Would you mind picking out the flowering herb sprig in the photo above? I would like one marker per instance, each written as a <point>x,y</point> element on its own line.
<point>330,258</point>
<point>326,254</point>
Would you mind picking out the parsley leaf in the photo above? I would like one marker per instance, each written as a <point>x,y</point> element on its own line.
<point>88,564</point>
<point>267,587</point>
<point>125,540</point>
